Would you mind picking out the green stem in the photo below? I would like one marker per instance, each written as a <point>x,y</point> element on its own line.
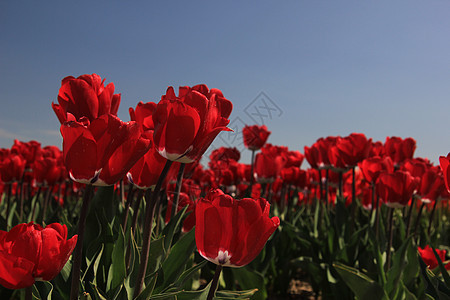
<point>77,253</point>
<point>177,190</point>
<point>390,235</point>
<point>432,217</point>
<point>214,283</point>
<point>148,225</point>
<point>127,205</point>
<point>408,221</point>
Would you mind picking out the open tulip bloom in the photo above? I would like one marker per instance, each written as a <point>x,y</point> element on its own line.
<point>186,125</point>
<point>102,151</point>
<point>231,232</point>
<point>29,252</point>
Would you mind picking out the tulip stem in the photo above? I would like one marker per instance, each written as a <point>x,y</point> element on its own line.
<point>214,283</point>
<point>46,202</point>
<point>353,205</point>
<point>390,235</point>
<point>127,205</point>
<point>432,217</point>
<point>38,193</point>
<point>136,205</point>
<point>377,215</point>
<point>77,253</point>
<point>8,203</point>
<point>148,225</point>
<point>419,215</point>
<point>408,220</point>
<point>177,190</point>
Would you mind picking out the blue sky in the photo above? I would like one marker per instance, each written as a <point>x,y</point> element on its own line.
<point>326,67</point>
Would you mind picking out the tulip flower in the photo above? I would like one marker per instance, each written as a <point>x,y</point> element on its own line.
<point>232,232</point>
<point>350,150</point>
<point>143,115</point>
<point>29,252</point>
<point>430,259</point>
<point>372,166</point>
<point>445,162</point>
<point>85,96</point>
<point>101,152</point>
<point>255,136</point>
<point>12,168</point>
<point>186,125</point>
<point>399,149</point>
<point>30,151</point>
<point>396,189</point>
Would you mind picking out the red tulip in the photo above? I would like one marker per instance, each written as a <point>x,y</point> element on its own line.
<point>317,155</point>
<point>372,166</point>
<point>399,149</point>
<point>225,154</point>
<point>145,172</point>
<point>85,96</point>
<point>396,188</point>
<point>255,136</point>
<point>350,150</point>
<point>103,151</point>
<point>431,185</point>
<point>232,232</point>
<point>269,162</point>
<point>430,259</point>
<point>12,168</point>
<point>48,171</point>
<point>143,115</point>
<point>186,125</point>
<point>29,150</point>
<point>29,252</point>
<point>445,162</point>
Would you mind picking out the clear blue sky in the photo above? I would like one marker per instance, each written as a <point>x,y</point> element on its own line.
<point>330,67</point>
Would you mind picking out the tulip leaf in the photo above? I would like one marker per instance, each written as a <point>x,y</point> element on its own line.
<point>247,294</point>
<point>175,263</point>
<point>10,217</point>
<point>186,275</point>
<point>250,279</point>
<point>148,290</point>
<point>172,227</point>
<point>364,287</point>
<point>434,288</point>
<point>195,295</point>
<point>117,270</point>
<point>43,290</point>
<point>156,255</point>
<point>398,265</point>
<point>444,272</point>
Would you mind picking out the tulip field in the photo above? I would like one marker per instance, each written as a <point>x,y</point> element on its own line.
<point>131,210</point>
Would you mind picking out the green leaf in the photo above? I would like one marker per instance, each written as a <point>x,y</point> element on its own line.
<point>175,264</point>
<point>117,270</point>
<point>250,279</point>
<point>172,227</point>
<point>398,265</point>
<point>189,273</point>
<point>442,269</point>
<point>156,255</point>
<point>45,289</point>
<point>147,292</point>
<point>247,294</point>
<point>363,286</point>
<point>195,295</point>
